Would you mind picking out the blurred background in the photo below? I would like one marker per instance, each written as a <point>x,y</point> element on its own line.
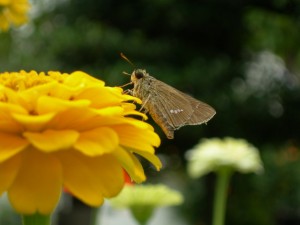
<point>240,56</point>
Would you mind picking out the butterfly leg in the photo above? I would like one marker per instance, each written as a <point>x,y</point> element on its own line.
<point>144,105</point>
<point>124,85</point>
<point>128,91</point>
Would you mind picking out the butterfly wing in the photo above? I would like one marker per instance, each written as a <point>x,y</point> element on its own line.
<point>180,109</point>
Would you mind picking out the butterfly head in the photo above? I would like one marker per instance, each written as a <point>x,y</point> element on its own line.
<point>138,74</point>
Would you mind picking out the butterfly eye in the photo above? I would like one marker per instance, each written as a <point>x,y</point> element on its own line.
<point>139,75</point>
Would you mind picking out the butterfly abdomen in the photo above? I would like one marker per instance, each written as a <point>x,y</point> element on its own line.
<point>162,121</point>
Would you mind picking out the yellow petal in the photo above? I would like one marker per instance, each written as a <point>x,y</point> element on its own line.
<point>64,92</point>
<point>48,104</point>
<point>133,137</point>
<point>37,186</point>
<point>97,141</point>
<point>11,108</point>
<point>52,89</point>
<point>8,172</point>
<point>52,140</point>
<point>130,109</point>
<point>10,145</point>
<point>81,79</point>
<point>111,111</point>
<point>129,162</point>
<point>105,96</point>
<point>7,94</point>
<point>86,119</point>
<point>125,97</point>
<point>30,96</point>
<point>74,118</point>
<point>101,97</point>
<point>33,122</point>
<point>7,123</point>
<point>91,178</point>
<point>9,126</point>
<point>150,157</point>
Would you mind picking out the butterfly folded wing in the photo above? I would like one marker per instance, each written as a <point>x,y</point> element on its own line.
<point>169,107</point>
<point>202,112</point>
<point>181,109</point>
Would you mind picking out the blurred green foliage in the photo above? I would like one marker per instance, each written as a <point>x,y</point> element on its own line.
<point>241,57</point>
<point>7,215</point>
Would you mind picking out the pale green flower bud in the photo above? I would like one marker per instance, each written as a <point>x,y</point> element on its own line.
<point>214,154</point>
<point>142,200</point>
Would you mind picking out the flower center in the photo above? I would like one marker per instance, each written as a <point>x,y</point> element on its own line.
<point>22,81</point>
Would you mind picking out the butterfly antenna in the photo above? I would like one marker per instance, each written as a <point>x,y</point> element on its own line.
<point>126,59</point>
<point>125,73</point>
<point>128,74</point>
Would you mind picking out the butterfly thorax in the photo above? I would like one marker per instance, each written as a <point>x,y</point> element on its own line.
<point>145,89</point>
<point>142,84</point>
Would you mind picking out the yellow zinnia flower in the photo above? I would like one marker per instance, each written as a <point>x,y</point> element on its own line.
<point>13,12</point>
<point>68,130</point>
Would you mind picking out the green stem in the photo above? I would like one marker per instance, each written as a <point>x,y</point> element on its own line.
<point>223,177</point>
<point>36,219</point>
<point>94,216</point>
